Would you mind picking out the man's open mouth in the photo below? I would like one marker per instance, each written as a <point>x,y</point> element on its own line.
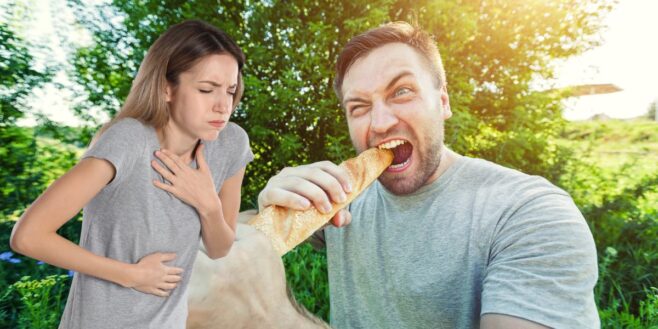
<point>402,151</point>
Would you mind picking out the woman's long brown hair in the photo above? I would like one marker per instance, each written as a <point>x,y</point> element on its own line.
<point>173,53</point>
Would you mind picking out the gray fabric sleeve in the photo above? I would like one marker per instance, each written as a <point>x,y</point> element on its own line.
<point>118,145</point>
<point>542,265</point>
<point>241,155</point>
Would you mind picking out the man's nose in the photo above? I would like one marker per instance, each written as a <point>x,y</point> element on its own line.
<point>382,117</point>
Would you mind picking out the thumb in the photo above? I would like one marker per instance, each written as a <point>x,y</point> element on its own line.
<point>342,218</point>
<point>200,159</point>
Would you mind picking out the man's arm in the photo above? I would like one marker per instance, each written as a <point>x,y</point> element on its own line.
<point>542,264</point>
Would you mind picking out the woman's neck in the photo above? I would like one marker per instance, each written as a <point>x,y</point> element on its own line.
<point>174,139</point>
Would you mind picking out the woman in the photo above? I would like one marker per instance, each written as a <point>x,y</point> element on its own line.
<point>161,175</point>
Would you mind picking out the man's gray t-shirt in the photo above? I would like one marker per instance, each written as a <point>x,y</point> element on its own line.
<point>131,218</point>
<point>481,239</point>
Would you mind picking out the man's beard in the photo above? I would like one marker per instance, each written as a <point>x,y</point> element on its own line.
<point>430,159</point>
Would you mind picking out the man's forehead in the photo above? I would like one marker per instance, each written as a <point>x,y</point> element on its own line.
<point>379,67</point>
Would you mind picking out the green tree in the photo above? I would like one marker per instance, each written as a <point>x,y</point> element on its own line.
<point>17,145</point>
<point>493,51</point>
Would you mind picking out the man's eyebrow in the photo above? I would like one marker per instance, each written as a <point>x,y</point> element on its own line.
<point>355,99</point>
<point>398,77</point>
<point>390,84</point>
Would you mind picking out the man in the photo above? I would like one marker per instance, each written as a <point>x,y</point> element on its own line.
<point>441,240</point>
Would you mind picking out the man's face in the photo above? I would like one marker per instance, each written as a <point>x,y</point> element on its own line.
<point>390,98</point>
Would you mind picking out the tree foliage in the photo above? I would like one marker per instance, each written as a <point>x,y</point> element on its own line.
<point>493,51</point>
<point>18,182</point>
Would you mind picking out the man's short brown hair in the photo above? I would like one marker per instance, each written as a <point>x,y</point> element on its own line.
<point>402,32</point>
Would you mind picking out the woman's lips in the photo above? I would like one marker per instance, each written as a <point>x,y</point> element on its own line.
<point>217,124</point>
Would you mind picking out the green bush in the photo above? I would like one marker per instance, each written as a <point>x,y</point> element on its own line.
<point>620,316</point>
<point>306,273</point>
<point>41,302</point>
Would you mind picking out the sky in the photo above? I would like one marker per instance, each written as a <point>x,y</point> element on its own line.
<point>627,58</point>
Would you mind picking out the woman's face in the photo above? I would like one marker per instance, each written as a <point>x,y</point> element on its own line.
<point>201,104</point>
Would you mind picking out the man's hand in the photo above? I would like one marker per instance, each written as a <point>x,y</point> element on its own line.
<point>313,184</point>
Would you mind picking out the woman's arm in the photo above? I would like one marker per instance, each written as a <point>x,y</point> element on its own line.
<point>218,229</point>
<point>35,234</point>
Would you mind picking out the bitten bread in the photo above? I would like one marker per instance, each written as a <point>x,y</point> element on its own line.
<point>287,228</point>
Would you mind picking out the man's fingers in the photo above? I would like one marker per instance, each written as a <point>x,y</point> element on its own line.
<point>339,173</point>
<point>342,218</point>
<point>282,197</point>
<point>328,183</point>
<point>310,191</point>
<point>347,218</point>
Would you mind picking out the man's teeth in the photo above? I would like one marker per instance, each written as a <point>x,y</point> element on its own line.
<point>399,165</point>
<point>391,144</point>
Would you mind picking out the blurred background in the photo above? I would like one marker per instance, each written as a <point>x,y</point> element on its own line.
<point>566,89</point>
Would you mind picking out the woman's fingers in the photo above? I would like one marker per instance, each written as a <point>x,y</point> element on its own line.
<point>162,171</point>
<point>166,187</point>
<point>166,286</point>
<point>160,292</point>
<point>173,278</point>
<point>170,160</point>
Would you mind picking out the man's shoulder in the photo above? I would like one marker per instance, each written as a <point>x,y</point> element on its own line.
<point>497,178</point>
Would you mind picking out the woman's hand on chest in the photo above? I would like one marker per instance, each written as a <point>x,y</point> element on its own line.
<point>192,186</point>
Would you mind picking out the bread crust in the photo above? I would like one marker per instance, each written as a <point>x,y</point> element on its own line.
<point>287,228</point>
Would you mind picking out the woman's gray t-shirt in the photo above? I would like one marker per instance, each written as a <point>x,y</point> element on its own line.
<point>131,218</point>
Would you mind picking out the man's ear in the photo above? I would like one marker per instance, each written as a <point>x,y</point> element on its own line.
<point>445,102</point>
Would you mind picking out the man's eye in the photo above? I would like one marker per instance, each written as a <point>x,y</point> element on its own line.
<point>402,91</point>
<point>357,110</point>
<point>205,91</point>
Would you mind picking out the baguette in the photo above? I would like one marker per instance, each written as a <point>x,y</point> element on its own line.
<point>286,228</point>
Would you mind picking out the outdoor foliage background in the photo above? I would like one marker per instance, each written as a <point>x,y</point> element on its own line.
<point>494,52</point>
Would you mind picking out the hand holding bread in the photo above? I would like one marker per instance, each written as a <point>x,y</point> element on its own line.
<point>288,227</point>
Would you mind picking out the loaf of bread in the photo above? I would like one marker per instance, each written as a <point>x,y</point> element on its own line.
<point>287,228</point>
